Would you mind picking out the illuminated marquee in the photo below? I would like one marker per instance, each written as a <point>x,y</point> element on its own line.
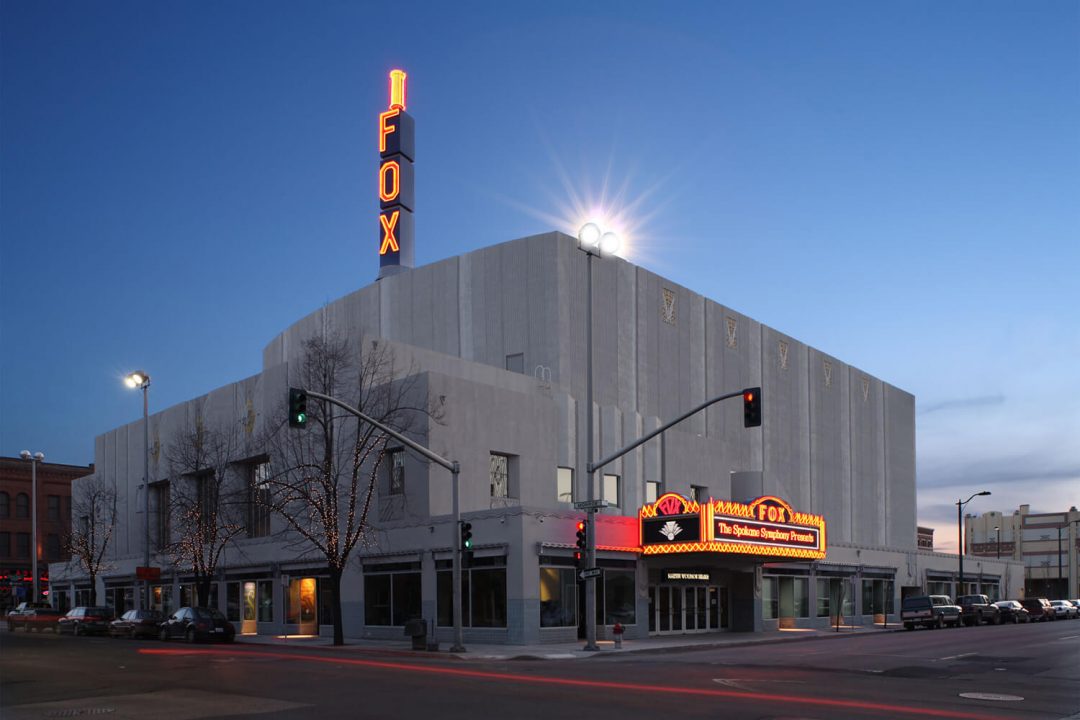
<point>397,149</point>
<point>767,526</point>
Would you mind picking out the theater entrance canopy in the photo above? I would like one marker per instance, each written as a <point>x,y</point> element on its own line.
<point>766,528</point>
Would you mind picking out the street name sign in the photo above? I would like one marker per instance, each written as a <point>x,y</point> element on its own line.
<point>591,504</point>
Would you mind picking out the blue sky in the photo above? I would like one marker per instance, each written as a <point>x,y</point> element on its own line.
<point>897,184</point>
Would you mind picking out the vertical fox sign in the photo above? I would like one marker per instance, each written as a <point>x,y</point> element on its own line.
<point>397,148</point>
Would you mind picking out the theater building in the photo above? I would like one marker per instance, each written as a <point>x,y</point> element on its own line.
<point>499,336</point>
<point>804,521</point>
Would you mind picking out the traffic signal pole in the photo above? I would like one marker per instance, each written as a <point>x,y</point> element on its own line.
<point>455,471</point>
<point>751,398</point>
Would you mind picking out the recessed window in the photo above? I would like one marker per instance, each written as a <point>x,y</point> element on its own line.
<point>499,474</point>
<point>54,507</point>
<point>258,499</point>
<point>516,363</point>
<point>22,545</point>
<point>22,505</point>
<point>564,483</point>
<point>5,505</point>
<point>613,490</point>
<point>699,493</point>
<point>652,491</point>
<point>397,472</point>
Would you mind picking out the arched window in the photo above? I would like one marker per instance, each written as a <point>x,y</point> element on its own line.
<point>5,505</point>
<point>22,505</point>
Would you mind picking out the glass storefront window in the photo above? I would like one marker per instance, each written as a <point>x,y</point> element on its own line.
<point>232,601</point>
<point>619,606</point>
<point>266,600</point>
<point>558,597</point>
<point>391,598</point>
<point>769,601</point>
<point>483,593</point>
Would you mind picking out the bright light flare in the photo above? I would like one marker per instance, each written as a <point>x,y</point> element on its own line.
<point>589,234</point>
<point>610,243</point>
<point>136,379</point>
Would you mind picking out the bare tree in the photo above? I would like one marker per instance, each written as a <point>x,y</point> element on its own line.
<point>323,477</point>
<point>93,519</point>
<point>207,500</point>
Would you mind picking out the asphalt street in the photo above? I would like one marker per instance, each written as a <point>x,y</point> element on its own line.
<point>988,672</point>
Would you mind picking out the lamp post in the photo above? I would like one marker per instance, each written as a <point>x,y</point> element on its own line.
<point>141,380</point>
<point>960,532</point>
<point>1072,591</point>
<point>997,529</point>
<point>34,460</point>
<point>592,242</point>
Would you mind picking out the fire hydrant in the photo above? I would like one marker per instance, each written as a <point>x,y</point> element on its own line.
<point>617,632</point>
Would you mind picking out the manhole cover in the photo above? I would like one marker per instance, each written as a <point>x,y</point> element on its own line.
<point>997,697</point>
<point>78,712</point>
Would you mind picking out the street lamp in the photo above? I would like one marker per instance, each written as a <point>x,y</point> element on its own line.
<point>593,242</point>
<point>141,380</point>
<point>960,532</point>
<point>34,460</point>
<point>997,529</point>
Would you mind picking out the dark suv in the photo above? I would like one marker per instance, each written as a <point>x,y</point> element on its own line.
<point>935,611</point>
<point>1039,609</point>
<point>197,623</point>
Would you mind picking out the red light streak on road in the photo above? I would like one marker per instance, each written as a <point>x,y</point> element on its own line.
<point>889,710</point>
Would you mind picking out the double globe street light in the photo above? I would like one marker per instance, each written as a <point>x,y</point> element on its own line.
<point>594,243</point>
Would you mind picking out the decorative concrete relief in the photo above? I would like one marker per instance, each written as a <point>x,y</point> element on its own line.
<point>827,369</point>
<point>732,324</point>
<point>865,389</point>
<point>782,347</point>
<point>668,310</point>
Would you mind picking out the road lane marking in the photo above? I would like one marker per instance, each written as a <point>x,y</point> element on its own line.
<point>961,655</point>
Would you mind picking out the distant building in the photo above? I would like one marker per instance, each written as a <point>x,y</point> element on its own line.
<point>1047,543</point>
<point>54,519</point>
<point>925,537</point>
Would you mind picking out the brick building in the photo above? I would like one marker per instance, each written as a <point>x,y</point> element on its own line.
<point>54,520</point>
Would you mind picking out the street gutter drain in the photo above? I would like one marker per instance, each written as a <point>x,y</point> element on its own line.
<point>77,712</point>
<point>998,697</point>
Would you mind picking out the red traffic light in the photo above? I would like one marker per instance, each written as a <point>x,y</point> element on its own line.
<point>581,525</point>
<point>752,407</point>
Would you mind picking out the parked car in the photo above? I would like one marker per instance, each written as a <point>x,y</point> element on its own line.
<point>86,620</point>
<point>197,623</point>
<point>20,610</point>
<point>1039,609</point>
<point>935,611</point>
<point>137,623</point>
<point>1064,610</point>
<point>1012,611</point>
<point>38,618</point>
<point>977,609</point>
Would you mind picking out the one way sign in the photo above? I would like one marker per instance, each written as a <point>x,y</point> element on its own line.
<point>590,573</point>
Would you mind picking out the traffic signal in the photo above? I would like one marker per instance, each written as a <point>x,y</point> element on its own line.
<point>466,543</point>
<point>582,543</point>
<point>751,407</point>
<point>297,408</point>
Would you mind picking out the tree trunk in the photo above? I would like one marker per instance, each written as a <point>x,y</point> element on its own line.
<point>335,603</point>
<point>202,590</point>
<point>93,589</point>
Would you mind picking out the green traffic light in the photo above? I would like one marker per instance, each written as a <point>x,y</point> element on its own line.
<point>468,544</point>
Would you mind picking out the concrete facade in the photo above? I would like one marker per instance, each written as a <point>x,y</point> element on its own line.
<point>834,441</point>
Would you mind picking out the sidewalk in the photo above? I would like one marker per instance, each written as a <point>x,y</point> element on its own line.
<point>567,651</point>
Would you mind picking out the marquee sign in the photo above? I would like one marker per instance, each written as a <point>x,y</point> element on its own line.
<point>397,149</point>
<point>767,526</point>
